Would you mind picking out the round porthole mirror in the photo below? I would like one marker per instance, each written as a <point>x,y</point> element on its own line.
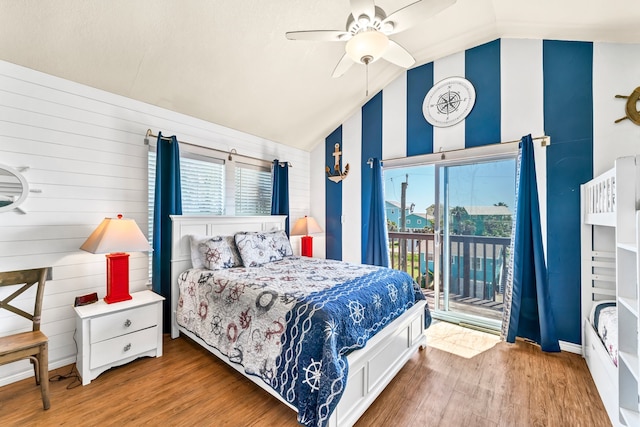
<point>13,188</point>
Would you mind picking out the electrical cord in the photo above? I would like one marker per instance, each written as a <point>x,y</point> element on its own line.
<point>73,373</point>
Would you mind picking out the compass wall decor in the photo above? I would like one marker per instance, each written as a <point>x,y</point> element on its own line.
<point>449,101</point>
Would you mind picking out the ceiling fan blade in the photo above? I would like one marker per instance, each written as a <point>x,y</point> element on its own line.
<point>411,15</point>
<point>362,7</point>
<point>398,55</point>
<point>319,35</point>
<point>343,66</point>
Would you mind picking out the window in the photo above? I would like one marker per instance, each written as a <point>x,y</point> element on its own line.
<point>252,190</point>
<point>214,186</point>
<point>408,221</point>
<point>419,221</point>
<point>202,180</point>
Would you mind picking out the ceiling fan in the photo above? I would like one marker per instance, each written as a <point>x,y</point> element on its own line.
<point>368,30</point>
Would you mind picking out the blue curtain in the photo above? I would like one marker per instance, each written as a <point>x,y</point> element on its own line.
<point>167,201</point>
<point>527,309</point>
<point>377,249</point>
<point>280,191</point>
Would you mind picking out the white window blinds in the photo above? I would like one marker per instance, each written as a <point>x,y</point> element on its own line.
<point>202,181</point>
<point>252,190</point>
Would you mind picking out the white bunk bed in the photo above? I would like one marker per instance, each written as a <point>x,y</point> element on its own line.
<point>609,251</point>
<point>370,368</point>
<point>599,280</point>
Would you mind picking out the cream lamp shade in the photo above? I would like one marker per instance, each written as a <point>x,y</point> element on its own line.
<point>305,226</point>
<point>116,235</point>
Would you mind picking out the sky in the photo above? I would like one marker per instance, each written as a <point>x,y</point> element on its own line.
<point>476,184</point>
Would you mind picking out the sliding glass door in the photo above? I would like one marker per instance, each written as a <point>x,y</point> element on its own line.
<point>410,206</point>
<point>449,222</point>
<point>477,199</point>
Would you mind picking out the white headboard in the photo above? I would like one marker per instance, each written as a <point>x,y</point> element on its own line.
<point>207,225</point>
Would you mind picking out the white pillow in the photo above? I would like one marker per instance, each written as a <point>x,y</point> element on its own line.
<point>594,307</point>
<point>257,248</point>
<point>281,242</point>
<point>214,252</point>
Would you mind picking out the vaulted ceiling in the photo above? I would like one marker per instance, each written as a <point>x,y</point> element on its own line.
<point>228,61</point>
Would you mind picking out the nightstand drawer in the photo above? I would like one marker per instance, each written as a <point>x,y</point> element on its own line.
<point>123,322</point>
<point>122,347</point>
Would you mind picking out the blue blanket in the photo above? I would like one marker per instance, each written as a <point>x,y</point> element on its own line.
<point>323,327</point>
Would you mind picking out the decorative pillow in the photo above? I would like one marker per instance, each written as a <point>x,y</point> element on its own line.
<point>214,253</point>
<point>237,260</point>
<point>257,249</point>
<point>281,243</point>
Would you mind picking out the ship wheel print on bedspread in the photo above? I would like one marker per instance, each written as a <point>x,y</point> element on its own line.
<point>312,374</point>
<point>356,312</point>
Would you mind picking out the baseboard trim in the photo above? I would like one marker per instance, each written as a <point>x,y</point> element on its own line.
<point>28,373</point>
<point>571,347</point>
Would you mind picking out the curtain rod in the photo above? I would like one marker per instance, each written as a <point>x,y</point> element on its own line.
<point>489,150</point>
<point>546,140</point>
<point>229,154</point>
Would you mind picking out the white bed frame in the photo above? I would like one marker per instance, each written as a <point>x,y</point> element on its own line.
<point>603,207</point>
<point>370,368</point>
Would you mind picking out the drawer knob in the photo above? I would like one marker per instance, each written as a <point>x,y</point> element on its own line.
<point>127,347</point>
<point>127,323</point>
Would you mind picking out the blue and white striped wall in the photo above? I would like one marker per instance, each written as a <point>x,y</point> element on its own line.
<point>562,89</point>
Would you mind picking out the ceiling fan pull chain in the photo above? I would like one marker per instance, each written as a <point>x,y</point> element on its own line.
<point>366,67</point>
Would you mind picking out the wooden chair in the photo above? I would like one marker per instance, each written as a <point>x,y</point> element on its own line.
<point>27,345</point>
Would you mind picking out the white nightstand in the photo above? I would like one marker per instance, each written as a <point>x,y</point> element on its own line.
<point>114,334</point>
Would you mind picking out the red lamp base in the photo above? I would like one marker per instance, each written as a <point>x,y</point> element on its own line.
<point>117,278</point>
<point>307,246</point>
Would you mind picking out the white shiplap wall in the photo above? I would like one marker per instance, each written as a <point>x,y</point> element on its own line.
<point>85,151</point>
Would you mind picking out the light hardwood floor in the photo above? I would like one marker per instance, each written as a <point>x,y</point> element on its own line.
<point>508,385</point>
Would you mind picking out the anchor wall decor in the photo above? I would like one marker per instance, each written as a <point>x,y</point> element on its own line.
<point>337,174</point>
<point>631,108</point>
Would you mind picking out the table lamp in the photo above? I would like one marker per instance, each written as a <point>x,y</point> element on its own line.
<point>303,227</point>
<point>115,237</point>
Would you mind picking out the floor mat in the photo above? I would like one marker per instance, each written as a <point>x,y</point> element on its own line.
<point>464,342</point>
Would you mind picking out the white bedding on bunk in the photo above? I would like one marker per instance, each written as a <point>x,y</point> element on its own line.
<point>604,319</point>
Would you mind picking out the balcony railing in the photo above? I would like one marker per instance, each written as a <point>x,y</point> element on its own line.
<point>477,263</point>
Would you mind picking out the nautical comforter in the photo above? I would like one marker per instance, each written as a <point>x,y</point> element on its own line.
<point>292,322</point>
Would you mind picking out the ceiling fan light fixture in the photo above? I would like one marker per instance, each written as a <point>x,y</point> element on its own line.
<point>367,44</point>
<point>363,21</point>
